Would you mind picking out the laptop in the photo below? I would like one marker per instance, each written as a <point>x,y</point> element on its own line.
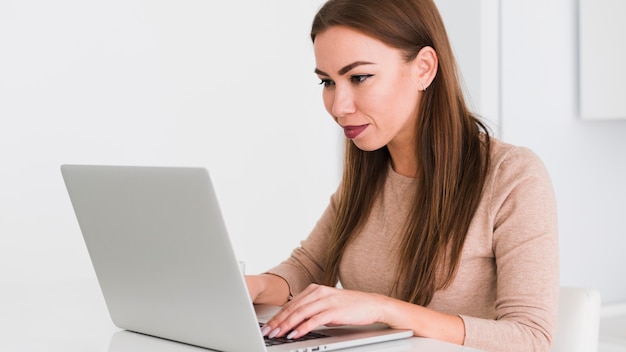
<point>127,341</point>
<point>165,264</point>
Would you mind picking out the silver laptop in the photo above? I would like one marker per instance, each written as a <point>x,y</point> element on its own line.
<point>165,263</point>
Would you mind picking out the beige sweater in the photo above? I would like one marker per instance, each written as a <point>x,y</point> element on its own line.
<point>506,288</point>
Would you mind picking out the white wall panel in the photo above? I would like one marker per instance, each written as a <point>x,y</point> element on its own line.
<point>602,58</point>
<point>585,159</point>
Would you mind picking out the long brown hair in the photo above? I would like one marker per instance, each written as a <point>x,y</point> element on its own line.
<point>453,158</point>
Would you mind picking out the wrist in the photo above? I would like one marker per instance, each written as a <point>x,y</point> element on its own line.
<point>424,322</point>
<point>391,312</point>
<point>272,289</point>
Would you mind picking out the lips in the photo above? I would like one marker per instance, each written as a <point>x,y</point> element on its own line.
<point>352,132</point>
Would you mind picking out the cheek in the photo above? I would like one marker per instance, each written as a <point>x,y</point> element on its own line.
<point>403,97</point>
<point>379,102</point>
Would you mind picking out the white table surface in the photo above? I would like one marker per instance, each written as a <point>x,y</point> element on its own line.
<point>71,316</point>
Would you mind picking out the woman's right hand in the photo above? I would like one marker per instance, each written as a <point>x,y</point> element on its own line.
<point>267,289</point>
<point>254,286</point>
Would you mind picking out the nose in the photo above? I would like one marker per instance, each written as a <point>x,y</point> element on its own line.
<point>341,101</point>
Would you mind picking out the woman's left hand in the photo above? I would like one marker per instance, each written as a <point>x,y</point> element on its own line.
<point>323,305</point>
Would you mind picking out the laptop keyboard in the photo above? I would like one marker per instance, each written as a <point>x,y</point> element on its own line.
<point>282,340</point>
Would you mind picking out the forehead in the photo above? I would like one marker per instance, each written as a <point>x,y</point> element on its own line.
<point>338,46</point>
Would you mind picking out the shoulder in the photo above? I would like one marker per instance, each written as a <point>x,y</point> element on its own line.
<point>517,176</point>
<point>505,156</point>
<point>511,164</point>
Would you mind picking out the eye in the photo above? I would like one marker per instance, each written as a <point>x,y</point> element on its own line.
<point>327,83</point>
<point>357,79</point>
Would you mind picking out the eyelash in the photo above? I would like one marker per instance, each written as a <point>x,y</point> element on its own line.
<point>359,78</point>
<point>326,83</point>
<point>356,79</point>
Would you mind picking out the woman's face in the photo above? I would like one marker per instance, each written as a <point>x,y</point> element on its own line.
<point>369,88</point>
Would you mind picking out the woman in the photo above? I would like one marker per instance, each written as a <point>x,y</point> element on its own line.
<point>436,226</point>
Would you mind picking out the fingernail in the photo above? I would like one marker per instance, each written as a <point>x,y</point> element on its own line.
<point>274,333</point>
<point>292,334</point>
<point>265,330</point>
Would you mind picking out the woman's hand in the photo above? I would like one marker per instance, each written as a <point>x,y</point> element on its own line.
<point>254,286</point>
<point>322,305</point>
<point>267,289</point>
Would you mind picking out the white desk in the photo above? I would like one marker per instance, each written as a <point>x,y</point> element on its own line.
<point>72,317</point>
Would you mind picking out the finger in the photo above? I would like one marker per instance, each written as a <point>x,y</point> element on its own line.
<point>295,314</point>
<point>313,301</point>
<point>290,319</point>
<point>304,298</point>
<point>320,319</point>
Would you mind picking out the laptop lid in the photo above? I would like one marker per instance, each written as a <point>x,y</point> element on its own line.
<point>163,258</point>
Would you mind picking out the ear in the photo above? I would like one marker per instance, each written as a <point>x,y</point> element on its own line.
<point>427,64</point>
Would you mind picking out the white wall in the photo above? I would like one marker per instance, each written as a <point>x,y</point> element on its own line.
<point>473,28</point>
<point>228,86</point>
<point>586,159</point>
<point>602,53</point>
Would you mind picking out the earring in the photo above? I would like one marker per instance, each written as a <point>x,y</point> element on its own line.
<point>423,87</point>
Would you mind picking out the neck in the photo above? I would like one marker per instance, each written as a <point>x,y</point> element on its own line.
<point>403,160</point>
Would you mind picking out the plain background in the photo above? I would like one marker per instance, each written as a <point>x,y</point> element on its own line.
<point>230,86</point>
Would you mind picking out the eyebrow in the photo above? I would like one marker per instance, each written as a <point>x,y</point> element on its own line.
<point>345,69</point>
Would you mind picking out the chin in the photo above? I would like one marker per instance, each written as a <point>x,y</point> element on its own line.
<point>366,147</point>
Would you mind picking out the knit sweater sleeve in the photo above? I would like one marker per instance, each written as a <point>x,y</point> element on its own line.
<point>306,263</point>
<point>522,209</point>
